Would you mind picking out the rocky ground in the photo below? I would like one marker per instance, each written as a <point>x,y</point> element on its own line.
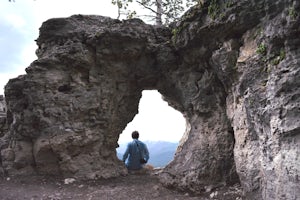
<point>133,186</point>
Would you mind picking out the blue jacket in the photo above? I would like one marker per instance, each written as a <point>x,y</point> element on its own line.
<point>135,150</point>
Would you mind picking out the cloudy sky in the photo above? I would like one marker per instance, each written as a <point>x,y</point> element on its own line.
<point>19,27</point>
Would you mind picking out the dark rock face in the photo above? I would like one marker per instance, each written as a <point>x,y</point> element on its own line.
<point>231,68</point>
<point>3,128</point>
<point>76,99</point>
<point>2,115</point>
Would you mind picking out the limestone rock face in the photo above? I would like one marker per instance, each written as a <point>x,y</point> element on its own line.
<point>2,115</point>
<point>3,128</point>
<point>231,68</point>
<point>75,100</point>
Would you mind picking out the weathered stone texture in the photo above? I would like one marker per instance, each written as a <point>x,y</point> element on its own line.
<point>252,49</point>
<point>230,67</point>
<point>3,127</point>
<point>81,93</point>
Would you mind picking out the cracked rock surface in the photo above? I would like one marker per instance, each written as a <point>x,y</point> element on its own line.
<point>230,67</point>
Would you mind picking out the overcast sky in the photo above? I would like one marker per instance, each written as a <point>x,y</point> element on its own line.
<point>156,120</point>
<point>19,27</point>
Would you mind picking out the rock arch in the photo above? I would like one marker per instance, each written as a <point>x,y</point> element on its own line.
<point>66,113</point>
<point>85,87</point>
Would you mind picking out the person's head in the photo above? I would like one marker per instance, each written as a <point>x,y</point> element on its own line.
<point>135,135</point>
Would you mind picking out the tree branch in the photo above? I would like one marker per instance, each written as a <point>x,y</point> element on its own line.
<point>147,7</point>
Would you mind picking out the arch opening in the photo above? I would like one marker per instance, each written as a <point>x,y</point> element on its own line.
<point>160,126</point>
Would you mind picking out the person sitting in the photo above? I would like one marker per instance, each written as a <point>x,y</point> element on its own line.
<point>136,152</point>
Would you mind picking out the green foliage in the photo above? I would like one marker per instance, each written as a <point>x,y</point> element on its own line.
<point>98,34</point>
<point>259,32</point>
<point>292,12</point>
<point>282,54</point>
<point>229,4</point>
<point>175,32</point>
<point>261,49</point>
<point>278,58</point>
<point>131,15</point>
<point>213,9</point>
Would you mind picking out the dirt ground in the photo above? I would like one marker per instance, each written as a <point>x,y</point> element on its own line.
<point>133,187</point>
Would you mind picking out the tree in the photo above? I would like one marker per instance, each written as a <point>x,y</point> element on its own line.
<point>162,11</point>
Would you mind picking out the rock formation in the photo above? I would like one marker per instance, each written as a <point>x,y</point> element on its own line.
<point>3,124</point>
<point>231,68</point>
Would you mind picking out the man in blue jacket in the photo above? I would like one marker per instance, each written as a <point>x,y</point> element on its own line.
<point>135,151</point>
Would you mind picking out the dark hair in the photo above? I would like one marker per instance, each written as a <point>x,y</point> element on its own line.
<point>135,135</point>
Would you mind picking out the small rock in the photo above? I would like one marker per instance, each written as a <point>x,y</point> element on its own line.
<point>208,188</point>
<point>69,180</point>
<point>156,194</point>
<point>214,194</point>
<point>156,187</point>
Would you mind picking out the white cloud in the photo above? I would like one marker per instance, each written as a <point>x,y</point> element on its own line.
<point>16,21</point>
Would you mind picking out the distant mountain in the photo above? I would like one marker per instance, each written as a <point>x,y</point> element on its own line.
<point>161,152</point>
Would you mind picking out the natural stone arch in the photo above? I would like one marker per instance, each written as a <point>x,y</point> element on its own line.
<point>84,89</point>
<point>67,112</point>
<point>205,153</point>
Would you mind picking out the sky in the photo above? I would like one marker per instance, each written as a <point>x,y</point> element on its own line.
<point>155,121</point>
<point>19,27</point>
